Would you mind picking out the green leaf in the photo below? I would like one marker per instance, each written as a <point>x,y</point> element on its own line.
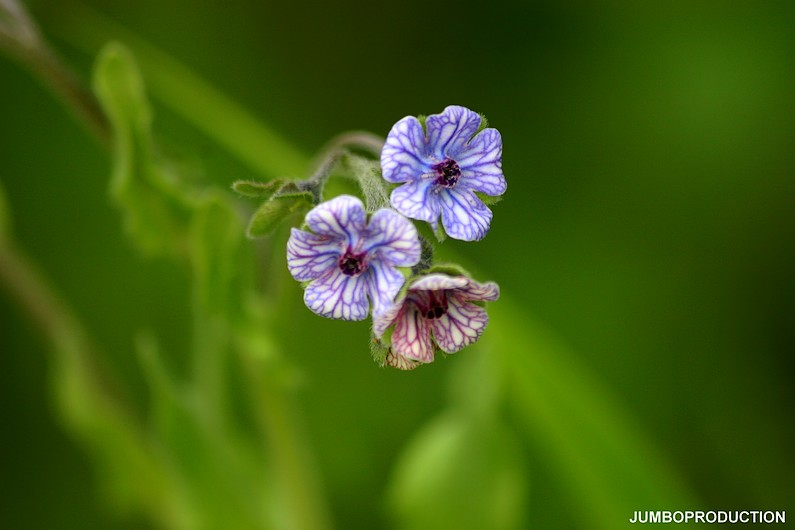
<point>272,212</point>
<point>215,476</point>
<point>368,174</point>
<point>602,458</point>
<point>463,472</point>
<point>258,190</point>
<point>155,205</point>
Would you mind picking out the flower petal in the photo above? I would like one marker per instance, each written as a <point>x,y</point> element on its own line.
<point>449,132</point>
<point>342,217</point>
<point>393,239</point>
<point>412,337</point>
<point>335,295</point>
<point>383,284</point>
<point>385,318</point>
<point>398,361</point>
<point>438,282</point>
<point>464,216</point>
<point>460,326</point>
<point>416,200</point>
<point>404,156</point>
<point>481,163</point>
<point>310,255</point>
<point>488,291</point>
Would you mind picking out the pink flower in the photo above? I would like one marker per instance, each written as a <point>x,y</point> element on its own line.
<point>436,309</point>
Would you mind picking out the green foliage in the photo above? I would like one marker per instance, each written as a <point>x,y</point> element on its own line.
<point>193,465</point>
<point>602,459</point>
<point>488,200</point>
<point>368,174</point>
<point>272,212</point>
<point>220,261</point>
<point>463,472</point>
<point>155,208</point>
<point>258,190</point>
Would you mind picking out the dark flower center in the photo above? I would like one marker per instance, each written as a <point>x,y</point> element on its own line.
<point>447,173</point>
<point>352,264</point>
<point>434,305</point>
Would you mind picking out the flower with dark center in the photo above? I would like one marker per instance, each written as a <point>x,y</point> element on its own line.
<point>441,166</point>
<point>436,309</point>
<point>349,259</point>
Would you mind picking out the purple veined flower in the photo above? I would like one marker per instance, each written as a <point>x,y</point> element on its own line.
<point>436,308</point>
<point>348,259</point>
<point>442,167</point>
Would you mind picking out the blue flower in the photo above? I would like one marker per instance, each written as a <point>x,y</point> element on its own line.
<point>347,259</point>
<point>442,167</point>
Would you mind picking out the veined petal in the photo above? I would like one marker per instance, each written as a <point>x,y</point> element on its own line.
<point>464,216</point>
<point>416,200</point>
<point>481,163</point>
<point>438,282</point>
<point>449,132</point>
<point>342,217</point>
<point>488,291</point>
<point>405,155</point>
<point>310,255</point>
<point>335,295</point>
<point>412,337</point>
<point>392,238</point>
<point>386,318</point>
<point>460,326</point>
<point>383,284</point>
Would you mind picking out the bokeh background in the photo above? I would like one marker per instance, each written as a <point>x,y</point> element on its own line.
<point>649,224</point>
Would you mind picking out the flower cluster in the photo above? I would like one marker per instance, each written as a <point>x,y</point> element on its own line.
<point>356,263</point>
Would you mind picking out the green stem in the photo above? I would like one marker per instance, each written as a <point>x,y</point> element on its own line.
<point>89,401</point>
<point>299,486</point>
<point>22,39</point>
<point>188,95</point>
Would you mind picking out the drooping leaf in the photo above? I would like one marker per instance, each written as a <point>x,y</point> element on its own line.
<point>603,459</point>
<point>257,190</point>
<point>154,203</point>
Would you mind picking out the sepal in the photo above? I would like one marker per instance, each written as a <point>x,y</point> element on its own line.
<point>450,269</point>
<point>488,200</point>
<point>379,350</point>
<point>273,211</point>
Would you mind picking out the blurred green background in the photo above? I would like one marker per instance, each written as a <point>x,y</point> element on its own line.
<point>649,225</point>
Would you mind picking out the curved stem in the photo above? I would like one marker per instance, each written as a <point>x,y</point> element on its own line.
<point>22,39</point>
<point>372,143</point>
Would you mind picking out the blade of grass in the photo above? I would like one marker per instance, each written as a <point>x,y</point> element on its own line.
<point>602,457</point>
